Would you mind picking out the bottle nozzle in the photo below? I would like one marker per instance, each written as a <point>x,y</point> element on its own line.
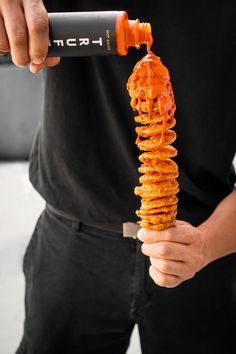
<point>138,33</point>
<point>131,33</point>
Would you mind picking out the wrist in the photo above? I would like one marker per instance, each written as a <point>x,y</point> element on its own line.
<point>208,248</point>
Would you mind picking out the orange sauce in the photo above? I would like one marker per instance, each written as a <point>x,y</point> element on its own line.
<point>150,81</point>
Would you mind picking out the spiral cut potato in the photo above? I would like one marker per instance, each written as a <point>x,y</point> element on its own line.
<point>152,97</point>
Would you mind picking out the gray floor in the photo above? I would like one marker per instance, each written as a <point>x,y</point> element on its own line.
<point>20,206</point>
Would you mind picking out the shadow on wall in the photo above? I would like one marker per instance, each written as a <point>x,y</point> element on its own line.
<point>20,108</point>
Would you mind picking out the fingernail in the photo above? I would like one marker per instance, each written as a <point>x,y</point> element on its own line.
<point>38,61</point>
<point>141,234</point>
<point>35,69</point>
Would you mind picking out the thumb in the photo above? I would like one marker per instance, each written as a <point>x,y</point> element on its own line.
<point>147,236</point>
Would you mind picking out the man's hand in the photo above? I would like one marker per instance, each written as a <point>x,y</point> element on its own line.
<point>176,253</point>
<point>24,32</point>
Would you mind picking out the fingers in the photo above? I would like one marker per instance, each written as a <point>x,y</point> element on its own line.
<point>48,62</point>
<point>170,273</point>
<point>165,280</point>
<point>16,30</point>
<point>179,233</point>
<point>167,266</point>
<point>24,31</point>
<point>4,44</point>
<point>38,30</point>
<point>166,250</point>
<point>180,269</point>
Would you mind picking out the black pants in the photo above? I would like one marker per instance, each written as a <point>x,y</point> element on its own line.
<point>85,290</point>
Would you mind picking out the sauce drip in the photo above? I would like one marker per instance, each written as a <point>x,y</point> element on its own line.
<point>150,82</point>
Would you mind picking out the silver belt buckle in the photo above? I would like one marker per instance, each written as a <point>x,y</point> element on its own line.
<point>130,229</point>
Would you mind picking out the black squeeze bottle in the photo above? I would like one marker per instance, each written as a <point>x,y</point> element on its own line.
<point>95,33</point>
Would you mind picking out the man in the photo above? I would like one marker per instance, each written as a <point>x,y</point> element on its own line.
<point>87,285</point>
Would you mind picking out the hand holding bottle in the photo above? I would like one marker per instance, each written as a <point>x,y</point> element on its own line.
<point>24,31</point>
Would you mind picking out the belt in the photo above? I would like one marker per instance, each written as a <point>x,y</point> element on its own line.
<point>126,229</point>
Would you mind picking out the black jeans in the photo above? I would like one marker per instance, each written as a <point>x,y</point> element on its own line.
<point>85,290</point>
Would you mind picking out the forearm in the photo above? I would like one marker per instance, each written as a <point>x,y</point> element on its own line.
<point>220,230</point>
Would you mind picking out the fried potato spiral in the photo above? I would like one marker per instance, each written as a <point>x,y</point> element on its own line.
<point>152,96</point>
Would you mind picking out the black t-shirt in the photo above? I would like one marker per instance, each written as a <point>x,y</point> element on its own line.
<point>85,160</point>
